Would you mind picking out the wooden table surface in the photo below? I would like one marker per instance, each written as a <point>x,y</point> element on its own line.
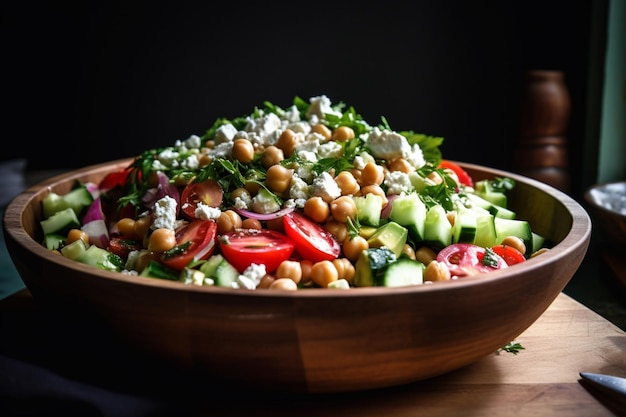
<point>541,380</point>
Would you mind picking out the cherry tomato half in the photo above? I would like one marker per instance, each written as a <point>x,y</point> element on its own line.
<point>115,179</point>
<point>510,255</point>
<point>195,241</point>
<point>122,247</point>
<point>243,247</point>
<point>208,192</point>
<point>467,259</point>
<point>312,241</point>
<point>461,174</point>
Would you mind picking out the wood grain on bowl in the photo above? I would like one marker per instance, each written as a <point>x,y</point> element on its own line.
<point>314,340</point>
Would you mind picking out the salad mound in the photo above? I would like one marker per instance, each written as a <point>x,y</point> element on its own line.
<point>308,196</point>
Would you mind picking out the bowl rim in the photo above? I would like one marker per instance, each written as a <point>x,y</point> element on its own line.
<point>592,202</point>
<point>578,234</point>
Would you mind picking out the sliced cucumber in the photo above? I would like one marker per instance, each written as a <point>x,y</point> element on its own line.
<point>496,210</point>
<point>100,258</point>
<point>60,222</point>
<point>514,227</point>
<point>437,227</point>
<point>409,211</point>
<point>368,208</point>
<point>77,199</point>
<point>464,229</point>
<point>538,241</point>
<point>225,274</point>
<point>485,231</point>
<point>484,190</point>
<point>371,264</point>
<point>54,241</point>
<point>220,271</point>
<point>403,272</point>
<point>158,270</point>
<point>74,250</point>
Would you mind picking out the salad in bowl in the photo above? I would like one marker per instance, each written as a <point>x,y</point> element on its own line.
<point>308,196</point>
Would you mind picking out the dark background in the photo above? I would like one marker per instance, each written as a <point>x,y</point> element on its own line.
<point>86,82</point>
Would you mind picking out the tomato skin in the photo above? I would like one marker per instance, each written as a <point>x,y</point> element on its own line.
<point>115,179</point>
<point>243,247</point>
<point>208,192</point>
<point>122,247</point>
<point>201,235</point>
<point>464,259</point>
<point>312,241</point>
<point>510,255</point>
<point>461,174</point>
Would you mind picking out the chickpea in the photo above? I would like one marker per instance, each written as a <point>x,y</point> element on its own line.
<point>287,142</point>
<point>345,269</point>
<point>377,190</point>
<point>539,252</point>
<point>436,271</point>
<point>240,192</point>
<point>126,227</point>
<point>306,266</point>
<point>342,134</point>
<point>265,282</point>
<point>323,273</point>
<point>278,178</point>
<point>352,247</point>
<point>204,159</point>
<point>400,164</point>
<point>514,242</point>
<point>347,183</point>
<point>372,174</point>
<point>276,224</point>
<point>228,221</point>
<point>251,224</point>
<point>435,178</point>
<point>337,229</point>
<point>286,284</point>
<point>161,240</point>
<point>272,156</point>
<point>142,225</point>
<point>323,130</point>
<point>425,255</point>
<point>408,250</point>
<point>316,209</point>
<point>77,234</point>
<point>343,208</point>
<point>252,187</point>
<point>289,269</point>
<point>243,150</point>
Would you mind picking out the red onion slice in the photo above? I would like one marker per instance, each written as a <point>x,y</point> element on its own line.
<point>264,216</point>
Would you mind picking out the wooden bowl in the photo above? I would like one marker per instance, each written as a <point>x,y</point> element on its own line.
<point>607,205</point>
<point>315,340</point>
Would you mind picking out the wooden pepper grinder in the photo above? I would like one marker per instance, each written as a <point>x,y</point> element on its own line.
<point>541,152</point>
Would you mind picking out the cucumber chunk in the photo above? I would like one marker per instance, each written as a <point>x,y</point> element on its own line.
<point>496,210</point>
<point>437,227</point>
<point>54,241</point>
<point>220,271</point>
<point>514,227</point>
<point>74,250</point>
<point>371,264</point>
<point>403,272</point>
<point>60,222</point>
<point>77,199</point>
<point>464,229</point>
<point>368,208</point>
<point>409,211</point>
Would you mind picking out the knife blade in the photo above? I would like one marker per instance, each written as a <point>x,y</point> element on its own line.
<point>610,385</point>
